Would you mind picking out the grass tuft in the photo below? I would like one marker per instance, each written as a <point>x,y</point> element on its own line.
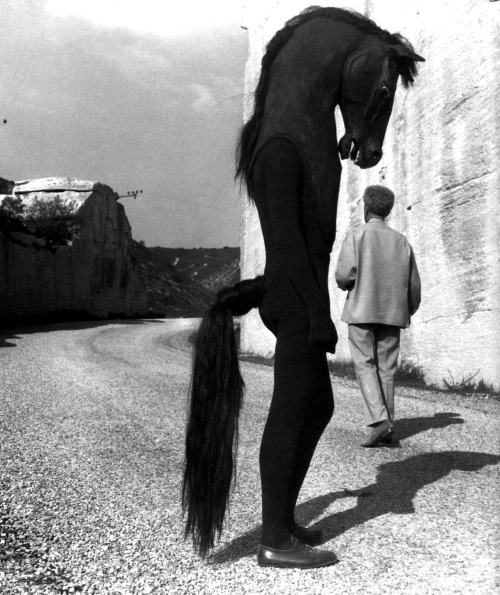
<point>469,385</point>
<point>406,373</point>
<point>410,374</point>
<point>342,367</point>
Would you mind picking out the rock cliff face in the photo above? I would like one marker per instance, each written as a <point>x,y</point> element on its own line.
<point>92,274</point>
<point>441,158</point>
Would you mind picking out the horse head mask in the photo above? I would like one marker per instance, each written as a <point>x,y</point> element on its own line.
<point>369,80</point>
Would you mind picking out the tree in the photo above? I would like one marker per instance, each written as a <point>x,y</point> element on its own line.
<point>11,211</point>
<point>54,220</point>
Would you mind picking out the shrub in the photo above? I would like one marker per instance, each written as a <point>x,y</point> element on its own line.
<point>54,220</point>
<point>12,207</point>
<point>11,211</point>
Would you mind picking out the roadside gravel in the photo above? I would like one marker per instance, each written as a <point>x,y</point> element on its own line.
<point>91,436</point>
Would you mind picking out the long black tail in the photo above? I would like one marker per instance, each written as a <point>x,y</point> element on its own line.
<point>215,403</point>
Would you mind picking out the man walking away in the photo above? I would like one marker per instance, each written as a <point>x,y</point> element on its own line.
<point>377,268</point>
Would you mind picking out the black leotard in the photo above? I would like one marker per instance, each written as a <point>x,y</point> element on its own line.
<point>296,309</point>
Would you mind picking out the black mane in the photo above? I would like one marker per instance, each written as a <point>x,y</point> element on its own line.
<point>249,133</point>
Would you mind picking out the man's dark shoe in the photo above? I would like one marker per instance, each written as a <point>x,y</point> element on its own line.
<point>298,556</point>
<point>383,430</point>
<point>308,536</point>
<point>390,440</point>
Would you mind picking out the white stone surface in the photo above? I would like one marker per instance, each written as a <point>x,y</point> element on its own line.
<point>441,157</point>
<point>53,184</point>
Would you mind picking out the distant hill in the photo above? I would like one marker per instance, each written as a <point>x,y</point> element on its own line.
<point>213,268</point>
<point>182,282</point>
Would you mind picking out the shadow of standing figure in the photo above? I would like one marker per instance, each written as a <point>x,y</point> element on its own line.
<point>393,492</point>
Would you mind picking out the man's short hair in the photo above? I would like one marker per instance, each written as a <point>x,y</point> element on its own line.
<point>379,200</point>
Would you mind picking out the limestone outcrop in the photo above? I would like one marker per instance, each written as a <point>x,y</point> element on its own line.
<point>88,271</point>
<point>441,157</point>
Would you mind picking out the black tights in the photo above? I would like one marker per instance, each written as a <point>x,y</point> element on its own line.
<point>301,407</point>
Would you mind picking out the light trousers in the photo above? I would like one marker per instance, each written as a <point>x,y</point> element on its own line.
<point>374,350</point>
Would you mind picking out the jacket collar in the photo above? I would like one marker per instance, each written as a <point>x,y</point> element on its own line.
<point>376,219</point>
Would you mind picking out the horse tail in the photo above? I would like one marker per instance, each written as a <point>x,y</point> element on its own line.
<point>216,396</point>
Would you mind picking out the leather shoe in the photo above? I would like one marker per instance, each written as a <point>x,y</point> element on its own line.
<point>298,556</point>
<point>383,430</point>
<point>308,536</point>
<point>390,440</point>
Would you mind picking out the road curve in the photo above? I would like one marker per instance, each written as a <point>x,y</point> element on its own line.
<point>91,437</point>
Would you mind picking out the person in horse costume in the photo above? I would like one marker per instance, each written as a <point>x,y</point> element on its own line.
<point>288,158</point>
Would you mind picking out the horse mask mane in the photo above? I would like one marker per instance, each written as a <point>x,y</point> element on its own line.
<point>322,58</point>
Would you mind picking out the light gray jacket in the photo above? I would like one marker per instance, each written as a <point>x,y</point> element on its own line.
<point>377,267</point>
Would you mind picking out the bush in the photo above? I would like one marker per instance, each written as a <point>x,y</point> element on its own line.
<point>11,212</point>
<point>53,220</point>
<point>12,207</point>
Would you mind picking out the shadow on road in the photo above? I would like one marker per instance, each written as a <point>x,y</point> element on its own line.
<point>396,485</point>
<point>415,425</point>
<point>7,335</point>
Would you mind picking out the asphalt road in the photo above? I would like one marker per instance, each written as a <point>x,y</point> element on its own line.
<point>91,448</point>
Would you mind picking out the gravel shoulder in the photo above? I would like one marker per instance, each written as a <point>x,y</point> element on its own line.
<point>91,447</point>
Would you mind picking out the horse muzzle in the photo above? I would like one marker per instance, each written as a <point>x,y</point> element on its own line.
<point>364,156</point>
<point>367,157</point>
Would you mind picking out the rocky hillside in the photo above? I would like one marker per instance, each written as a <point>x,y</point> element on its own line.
<point>183,282</point>
<point>213,268</point>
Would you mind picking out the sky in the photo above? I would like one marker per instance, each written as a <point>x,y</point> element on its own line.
<point>134,94</point>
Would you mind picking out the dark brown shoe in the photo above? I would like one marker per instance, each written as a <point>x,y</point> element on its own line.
<point>298,556</point>
<point>383,430</point>
<point>308,536</point>
<point>390,440</point>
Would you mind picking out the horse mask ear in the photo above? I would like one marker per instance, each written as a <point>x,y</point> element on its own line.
<point>401,52</point>
<point>405,59</point>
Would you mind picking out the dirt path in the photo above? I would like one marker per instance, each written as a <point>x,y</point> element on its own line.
<point>91,441</point>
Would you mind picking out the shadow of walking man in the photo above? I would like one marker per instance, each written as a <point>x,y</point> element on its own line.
<point>407,427</point>
<point>396,485</point>
<point>411,426</point>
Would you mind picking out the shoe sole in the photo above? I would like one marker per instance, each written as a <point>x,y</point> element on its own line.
<point>263,565</point>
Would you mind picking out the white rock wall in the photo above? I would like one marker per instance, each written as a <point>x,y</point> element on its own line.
<point>441,157</point>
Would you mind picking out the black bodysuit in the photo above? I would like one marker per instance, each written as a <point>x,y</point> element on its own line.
<point>295,309</point>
